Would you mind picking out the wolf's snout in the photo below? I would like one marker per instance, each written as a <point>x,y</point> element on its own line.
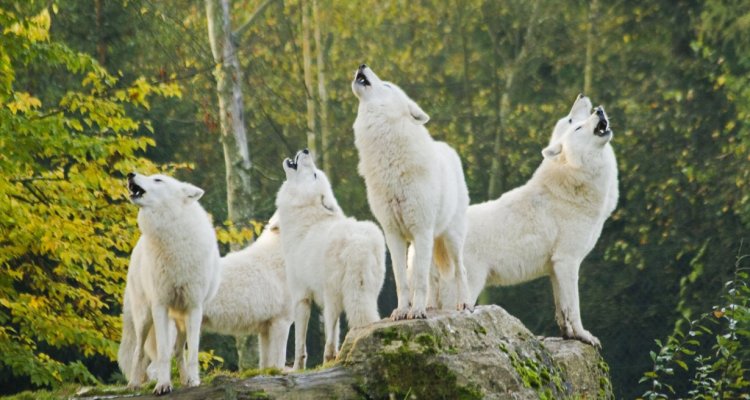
<point>600,112</point>
<point>305,151</point>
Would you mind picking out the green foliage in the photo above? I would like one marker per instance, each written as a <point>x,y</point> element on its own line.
<point>67,228</point>
<point>709,353</point>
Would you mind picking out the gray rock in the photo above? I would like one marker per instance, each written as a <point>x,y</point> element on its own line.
<point>451,355</point>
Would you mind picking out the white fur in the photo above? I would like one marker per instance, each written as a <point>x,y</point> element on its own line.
<point>415,188</point>
<point>335,261</point>
<point>254,298</point>
<point>548,225</point>
<point>174,271</point>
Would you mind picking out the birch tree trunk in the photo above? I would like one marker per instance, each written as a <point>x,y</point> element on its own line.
<point>308,75</point>
<point>322,94</point>
<point>228,77</point>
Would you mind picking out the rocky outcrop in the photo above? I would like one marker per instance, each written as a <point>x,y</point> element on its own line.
<point>485,354</point>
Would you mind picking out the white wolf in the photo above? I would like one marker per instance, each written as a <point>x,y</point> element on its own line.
<point>415,187</point>
<point>252,298</point>
<point>550,224</point>
<point>174,271</point>
<point>335,261</point>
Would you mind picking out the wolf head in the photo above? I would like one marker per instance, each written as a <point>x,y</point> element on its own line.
<point>583,143</point>
<point>579,112</point>
<point>385,98</point>
<point>306,186</point>
<point>161,191</point>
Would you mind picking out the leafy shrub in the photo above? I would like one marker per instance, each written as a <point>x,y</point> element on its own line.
<point>708,357</point>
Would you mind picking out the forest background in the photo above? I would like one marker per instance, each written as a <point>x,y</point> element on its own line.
<point>218,92</point>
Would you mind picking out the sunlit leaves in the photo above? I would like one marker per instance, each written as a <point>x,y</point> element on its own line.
<point>67,228</point>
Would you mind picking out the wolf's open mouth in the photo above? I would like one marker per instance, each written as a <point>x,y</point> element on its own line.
<point>291,164</point>
<point>602,128</point>
<point>362,79</point>
<point>135,190</point>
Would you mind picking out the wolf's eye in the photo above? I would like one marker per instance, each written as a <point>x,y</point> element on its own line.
<point>315,175</point>
<point>157,180</point>
<point>579,128</point>
<point>387,85</point>
<point>570,120</point>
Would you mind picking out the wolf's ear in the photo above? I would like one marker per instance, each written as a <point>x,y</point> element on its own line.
<point>553,150</point>
<point>191,192</point>
<point>581,108</point>
<point>420,117</point>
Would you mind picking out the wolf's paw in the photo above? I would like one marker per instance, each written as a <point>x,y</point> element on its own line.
<point>163,388</point>
<point>399,313</point>
<point>299,363</point>
<point>134,386</point>
<point>585,337</point>
<point>416,313</point>
<point>193,382</point>
<point>329,354</point>
<point>465,307</point>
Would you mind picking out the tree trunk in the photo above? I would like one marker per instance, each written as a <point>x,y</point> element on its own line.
<point>101,45</point>
<point>497,176</point>
<point>308,75</point>
<point>497,170</point>
<point>587,69</point>
<point>465,53</point>
<point>322,94</point>
<point>228,77</point>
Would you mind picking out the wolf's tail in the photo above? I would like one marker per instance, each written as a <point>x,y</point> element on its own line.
<point>441,259</point>
<point>127,343</point>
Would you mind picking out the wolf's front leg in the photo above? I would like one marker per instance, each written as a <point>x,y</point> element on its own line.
<point>568,314</point>
<point>193,335</point>
<point>163,349</point>
<point>301,318</point>
<point>423,246</point>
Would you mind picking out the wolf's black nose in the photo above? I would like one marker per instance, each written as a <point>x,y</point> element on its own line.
<point>131,175</point>
<point>305,151</point>
<point>580,96</point>
<point>599,111</point>
<point>363,66</point>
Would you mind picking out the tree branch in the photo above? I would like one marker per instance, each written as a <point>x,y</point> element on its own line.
<point>251,20</point>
